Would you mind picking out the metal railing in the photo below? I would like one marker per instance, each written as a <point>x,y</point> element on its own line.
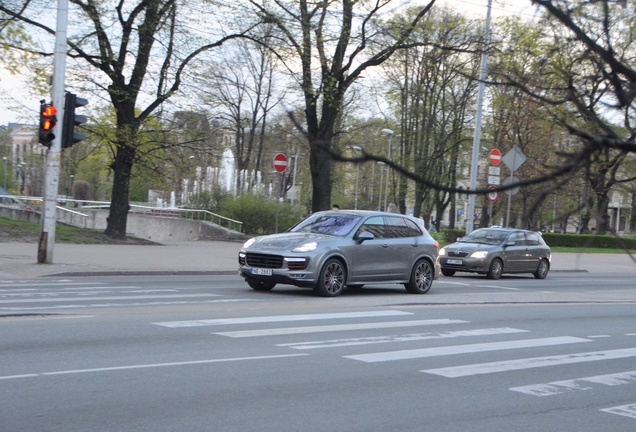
<point>23,202</point>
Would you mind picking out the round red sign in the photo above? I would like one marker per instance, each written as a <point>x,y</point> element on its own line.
<point>280,162</point>
<point>493,195</point>
<point>495,157</point>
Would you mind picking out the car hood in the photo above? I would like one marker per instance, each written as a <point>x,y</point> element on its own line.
<point>468,247</point>
<point>286,241</point>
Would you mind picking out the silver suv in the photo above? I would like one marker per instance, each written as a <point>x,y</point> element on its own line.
<point>332,250</point>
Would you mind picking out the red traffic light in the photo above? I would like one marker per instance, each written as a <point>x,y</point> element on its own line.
<point>49,111</point>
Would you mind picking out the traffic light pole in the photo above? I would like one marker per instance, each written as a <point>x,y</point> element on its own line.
<point>52,168</point>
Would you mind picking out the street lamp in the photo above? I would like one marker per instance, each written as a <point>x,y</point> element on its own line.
<point>70,186</point>
<point>381,184</point>
<point>4,158</point>
<point>357,148</point>
<point>388,168</point>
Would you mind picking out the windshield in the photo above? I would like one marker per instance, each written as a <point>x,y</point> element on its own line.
<point>485,236</point>
<point>338,225</point>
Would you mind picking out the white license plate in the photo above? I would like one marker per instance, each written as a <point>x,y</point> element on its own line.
<point>262,272</point>
<point>456,262</point>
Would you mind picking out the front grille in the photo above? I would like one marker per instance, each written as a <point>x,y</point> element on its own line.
<point>456,254</point>
<point>264,261</point>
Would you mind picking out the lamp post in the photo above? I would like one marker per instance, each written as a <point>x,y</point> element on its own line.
<point>70,186</point>
<point>357,148</point>
<point>4,158</point>
<point>388,168</point>
<point>381,185</point>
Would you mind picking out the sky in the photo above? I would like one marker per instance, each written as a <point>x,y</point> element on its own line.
<point>17,105</point>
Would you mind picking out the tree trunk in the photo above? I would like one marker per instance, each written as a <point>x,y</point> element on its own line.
<point>120,205</point>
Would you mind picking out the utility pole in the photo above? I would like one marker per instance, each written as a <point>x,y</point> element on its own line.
<point>470,217</point>
<point>52,167</point>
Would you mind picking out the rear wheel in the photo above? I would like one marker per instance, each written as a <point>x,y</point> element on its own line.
<point>542,269</point>
<point>332,278</point>
<point>421,278</point>
<point>261,286</point>
<point>495,270</point>
<point>447,272</point>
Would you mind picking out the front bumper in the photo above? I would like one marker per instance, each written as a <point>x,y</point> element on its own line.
<point>464,264</point>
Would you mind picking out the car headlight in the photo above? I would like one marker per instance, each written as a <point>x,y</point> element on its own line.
<point>442,251</point>
<point>307,247</point>
<point>249,243</point>
<point>479,254</point>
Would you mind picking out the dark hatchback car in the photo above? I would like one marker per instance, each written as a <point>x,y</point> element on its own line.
<point>332,250</point>
<point>494,251</point>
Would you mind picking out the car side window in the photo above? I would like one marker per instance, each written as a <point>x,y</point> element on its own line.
<point>414,230</point>
<point>532,239</point>
<point>374,225</point>
<point>518,237</point>
<point>397,227</point>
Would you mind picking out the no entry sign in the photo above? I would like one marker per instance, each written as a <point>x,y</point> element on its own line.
<point>280,162</point>
<point>495,157</point>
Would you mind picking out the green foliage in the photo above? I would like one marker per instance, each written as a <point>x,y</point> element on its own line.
<point>589,241</point>
<point>259,216</point>
<point>451,235</point>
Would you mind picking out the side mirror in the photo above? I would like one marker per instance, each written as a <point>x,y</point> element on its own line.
<point>459,238</point>
<point>366,235</point>
<point>510,243</point>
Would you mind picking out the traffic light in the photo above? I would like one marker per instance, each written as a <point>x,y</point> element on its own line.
<point>69,137</point>
<point>48,120</point>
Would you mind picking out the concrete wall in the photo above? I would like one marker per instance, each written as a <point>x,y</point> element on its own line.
<point>155,228</point>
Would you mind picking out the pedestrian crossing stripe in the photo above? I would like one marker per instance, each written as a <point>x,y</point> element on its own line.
<point>463,349</point>
<point>282,318</point>
<point>335,327</point>
<point>558,387</point>
<point>400,338</point>
<point>528,363</point>
<point>624,410</point>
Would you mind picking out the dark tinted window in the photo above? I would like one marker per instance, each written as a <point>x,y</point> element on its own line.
<point>374,225</point>
<point>397,227</point>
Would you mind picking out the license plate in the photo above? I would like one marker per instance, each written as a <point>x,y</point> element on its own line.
<point>452,261</point>
<point>262,272</point>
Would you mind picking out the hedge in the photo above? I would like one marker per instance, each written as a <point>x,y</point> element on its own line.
<point>565,240</point>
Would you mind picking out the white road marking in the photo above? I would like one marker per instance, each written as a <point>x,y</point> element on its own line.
<point>630,334</point>
<point>281,318</point>
<point>400,338</point>
<point>498,287</point>
<point>599,336</point>
<point>463,349</point>
<point>83,306</point>
<point>624,410</point>
<point>46,285</point>
<point>336,327</point>
<point>528,363</point>
<point>558,387</point>
<point>73,299</point>
<point>152,365</point>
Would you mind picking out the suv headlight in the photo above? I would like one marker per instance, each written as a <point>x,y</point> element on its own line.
<point>442,252</point>
<point>307,247</point>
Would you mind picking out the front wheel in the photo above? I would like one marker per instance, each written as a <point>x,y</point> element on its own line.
<point>542,269</point>
<point>332,278</point>
<point>495,270</point>
<point>421,278</point>
<point>261,286</point>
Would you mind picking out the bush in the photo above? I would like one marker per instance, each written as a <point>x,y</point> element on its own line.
<point>451,235</point>
<point>259,215</point>
<point>588,241</point>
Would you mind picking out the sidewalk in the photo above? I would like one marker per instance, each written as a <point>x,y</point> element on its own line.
<point>19,260</point>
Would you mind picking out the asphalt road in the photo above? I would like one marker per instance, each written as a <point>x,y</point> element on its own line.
<point>206,353</point>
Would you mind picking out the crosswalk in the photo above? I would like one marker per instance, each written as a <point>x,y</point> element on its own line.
<point>305,340</point>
